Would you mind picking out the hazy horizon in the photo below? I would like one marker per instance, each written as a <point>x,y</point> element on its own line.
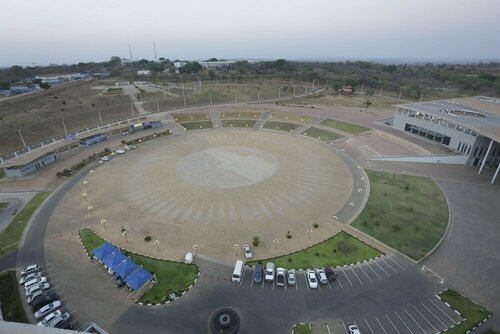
<point>69,32</point>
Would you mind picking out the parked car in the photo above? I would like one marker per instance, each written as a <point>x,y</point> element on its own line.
<point>30,299</point>
<point>49,308</point>
<point>247,251</point>
<point>48,318</point>
<point>37,287</point>
<point>29,277</point>
<point>321,276</point>
<point>291,277</point>
<point>105,158</point>
<point>257,275</point>
<point>119,283</point>
<point>269,272</point>
<point>330,274</point>
<point>280,277</point>
<point>120,151</point>
<point>34,281</point>
<point>127,148</point>
<point>42,300</point>
<point>30,269</point>
<point>353,329</point>
<point>133,147</point>
<point>311,279</point>
<point>59,320</point>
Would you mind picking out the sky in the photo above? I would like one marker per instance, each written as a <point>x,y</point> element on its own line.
<point>63,31</point>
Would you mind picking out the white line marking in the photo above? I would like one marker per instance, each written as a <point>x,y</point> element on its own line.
<point>328,328</point>
<point>400,266</point>
<point>392,323</point>
<point>382,269</point>
<point>371,330</point>
<point>425,318</point>
<point>434,315</point>
<point>414,321</point>
<point>360,267</point>
<point>329,284</point>
<point>243,275</point>
<point>340,283</point>
<point>381,325</point>
<point>403,322</point>
<point>357,276</point>
<point>251,282</point>
<point>387,264</point>
<point>374,271</point>
<point>453,321</point>
<point>344,327</point>
<point>307,285</point>
<point>346,277</point>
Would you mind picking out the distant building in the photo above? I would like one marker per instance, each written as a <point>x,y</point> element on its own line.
<point>48,78</point>
<point>92,140</point>
<point>219,64</point>
<point>144,72</point>
<point>23,170</point>
<point>179,64</point>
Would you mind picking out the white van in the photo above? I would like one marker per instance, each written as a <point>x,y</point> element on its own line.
<point>238,271</point>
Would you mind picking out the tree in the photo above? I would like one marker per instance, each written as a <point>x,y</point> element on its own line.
<point>192,67</point>
<point>367,103</point>
<point>4,85</point>
<point>211,74</point>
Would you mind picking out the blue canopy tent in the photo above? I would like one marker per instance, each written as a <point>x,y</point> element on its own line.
<point>113,260</point>
<point>138,278</point>
<point>103,251</point>
<point>125,268</point>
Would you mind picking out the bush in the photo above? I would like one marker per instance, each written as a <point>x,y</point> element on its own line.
<point>288,235</point>
<point>396,228</point>
<point>147,238</point>
<point>315,225</point>
<point>255,241</point>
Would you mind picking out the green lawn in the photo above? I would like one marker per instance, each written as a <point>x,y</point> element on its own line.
<point>2,173</point>
<point>323,135</point>
<point>10,237</point>
<point>12,309</point>
<point>3,205</point>
<point>472,312</point>
<point>339,250</point>
<point>238,123</point>
<point>280,126</point>
<point>240,114</point>
<point>302,329</point>
<point>345,126</point>
<point>197,125</point>
<point>291,117</point>
<point>183,117</point>
<point>409,213</point>
<point>172,276</point>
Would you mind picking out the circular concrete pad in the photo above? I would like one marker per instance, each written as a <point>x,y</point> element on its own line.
<point>215,188</point>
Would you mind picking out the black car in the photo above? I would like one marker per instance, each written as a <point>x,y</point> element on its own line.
<point>119,283</point>
<point>330,274</point>
<point>42,300</point>
<point>257,276</point>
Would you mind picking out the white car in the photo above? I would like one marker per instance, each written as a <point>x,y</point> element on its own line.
<point>59,320</point>
<point>133,147</point>
<point>247,251</point>
<point>34,296</point>
<point>291,277</point>
<point>49,308</point>
<point>29,277</point>
<point>120,151</point>
<point>49,318</point>
<point>36,288</point>
<point>321,276</point>
<point>353,329</point>
<point>127,148</point>
<point>105,158</point>
<point>269,272</point>
<point>311,279</point>
<point>280,277</point>
<point>30,269</point>
<point>34,281</point>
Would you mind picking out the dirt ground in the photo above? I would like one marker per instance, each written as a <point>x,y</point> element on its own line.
<point>39,115</point>
<point>214,189</point>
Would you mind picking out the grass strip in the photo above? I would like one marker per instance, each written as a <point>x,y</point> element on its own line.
<point>12,309</point>
<point>345,126</point>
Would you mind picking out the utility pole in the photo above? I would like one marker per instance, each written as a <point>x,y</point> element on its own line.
<point>100,117</point>
<point>132,108</point>
<point>22,139</point>
<point>64,125</point>
<point>154,48</point>
<point>210,98</point>
<point>157,106</point>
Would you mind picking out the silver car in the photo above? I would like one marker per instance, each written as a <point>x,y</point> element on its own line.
<point>291,277</point>
<point>49,308</point>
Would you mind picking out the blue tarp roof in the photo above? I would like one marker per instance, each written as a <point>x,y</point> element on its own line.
<point>125,268</point>
<point>114,259</point>
<point>103,251</point>
<point>138,278</point>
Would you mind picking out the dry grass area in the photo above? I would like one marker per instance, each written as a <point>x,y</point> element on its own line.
<point>289,117</point>
<point>182,117</point>
<point>239,114</point>
<point>39,115</point>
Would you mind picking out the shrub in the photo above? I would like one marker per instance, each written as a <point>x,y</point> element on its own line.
<point>288,235</point>
<point>255,241</point>
<point>315,225</point>
<point>317,254</point>
<point>396,228</point>
<point>407,187</point>
<point>147,238</point>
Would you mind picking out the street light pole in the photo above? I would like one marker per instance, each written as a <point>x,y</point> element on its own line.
<point>22,139</point>
<point>64,125</point>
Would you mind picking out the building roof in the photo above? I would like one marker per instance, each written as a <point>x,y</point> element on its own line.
<point>478,113</point>
<point>138,278</point>
<point>103,251</point>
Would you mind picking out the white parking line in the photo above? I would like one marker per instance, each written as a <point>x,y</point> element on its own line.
<point>360,281</point>
<point>251,282</point>
<point>374,271</point>
<point>338,280</point>
<point>414,320</point>
<point>425,318</point>
<point>434,315</point>
<point>382,269</point>
<point>453,321</point>
<point>243,275</point>
<point>400,266</point>
<point>273,284</point>
<point>346,277</point>
<point>329,284</point>
<point>305,277</point>
<point>369,327</point>
<point>328,328</point>
<point>344,327</point>
<point>387,264</point>
<point>381,325</point>
<point>397,315</point>
<point>360,267</point>
<point>263,281</point>
<point>392,323</point>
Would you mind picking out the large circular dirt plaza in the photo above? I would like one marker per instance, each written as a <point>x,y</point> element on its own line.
<point>215,189</point>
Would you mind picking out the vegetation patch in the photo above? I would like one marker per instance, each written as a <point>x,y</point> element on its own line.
<point>243,114</point>
<point>3,205</point>
<point>197,125</point>
<point>473,313</point>
<point>408,213</point>
<point>9,238</point>
<point>188,117</point>
<point>345,126</point>
<point>341,249</point>
<point>323,135</point>
<point>238,123</point>
<point>146,138</point>
<point>302,329</point>
<point>281,126</point>
<point>172,277</point>
<point>290,117</point>
<point>10,300</point>
<point>67,172</point>
<point>2,173</point>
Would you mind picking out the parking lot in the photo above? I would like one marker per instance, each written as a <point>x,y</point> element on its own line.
<point>354,276</point>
